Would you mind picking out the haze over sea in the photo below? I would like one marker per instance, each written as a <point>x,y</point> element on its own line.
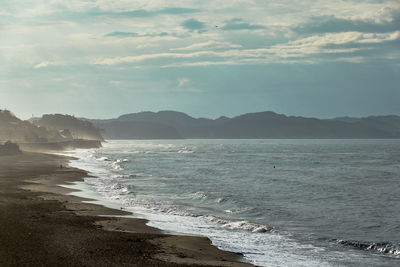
<point>328,202</point>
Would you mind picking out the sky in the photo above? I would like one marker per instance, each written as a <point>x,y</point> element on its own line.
<point>103,58</point>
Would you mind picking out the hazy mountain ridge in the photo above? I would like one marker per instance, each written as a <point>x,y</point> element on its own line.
<point>177,125</point>
<point>388,123</point>
<point>54,136</point>
<point>14,129</point>
<point>69,126</point>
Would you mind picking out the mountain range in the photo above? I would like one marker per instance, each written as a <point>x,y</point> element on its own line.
<point>68,130</point>
<point>178,125</point>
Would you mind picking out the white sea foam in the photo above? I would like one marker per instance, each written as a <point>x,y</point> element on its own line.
<point>199,195</point>
<point>185,150</point>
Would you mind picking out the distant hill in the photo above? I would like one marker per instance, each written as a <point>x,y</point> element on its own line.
<point>14,129</point>
<point>389,124</point>
<point>37,137</point>
<point>69,127</point>
<point>183,126</point>
<point>177,125</point>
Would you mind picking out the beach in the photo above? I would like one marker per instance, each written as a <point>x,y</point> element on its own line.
<point>40,225</point>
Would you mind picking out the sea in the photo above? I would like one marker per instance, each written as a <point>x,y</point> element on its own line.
<point>278,202</point>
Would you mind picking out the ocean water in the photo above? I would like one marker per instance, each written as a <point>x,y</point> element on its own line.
<point>279,202</point>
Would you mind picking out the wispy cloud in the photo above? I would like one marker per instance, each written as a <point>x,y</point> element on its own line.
<point>239,24</point>
<point>144,57</point>
<point>122,34</point>
<point>134,34</point>
<point>209,44</point>
<point>351,59</point>
<point>72,14</point>
<point>344,38</point>
<point>300,48</point>
<point>45,64</point>
<point>325,24</point>
<point>137,36</point>
<point>149,13</point>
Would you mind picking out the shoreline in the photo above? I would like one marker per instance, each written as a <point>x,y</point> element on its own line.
<point>65,227</point>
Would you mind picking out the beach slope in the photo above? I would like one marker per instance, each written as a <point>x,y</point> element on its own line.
<point>42,226</point>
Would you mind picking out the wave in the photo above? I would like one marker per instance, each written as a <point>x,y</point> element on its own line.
<point>113,189</point>
<point>221,200</point>
<point>102,158</point>
<point>381,247</point>
<point>123,177</point>
<point>185,150</point>
<point>116,165</point>
<point>199,195</point>
<point>240,225</point>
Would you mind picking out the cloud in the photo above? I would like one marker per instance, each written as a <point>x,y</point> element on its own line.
<point>134,34</point>
<point>344,38</point>
<point>332,24</point>
<point>332,43</point>
<point>151,13</point>
<point>193,25</point>
<point>248,56</point>
<point>239,24</point>
<point>144,57</point>
<point>122,34</point>
<point>201,64</point>
<point>208,45</point>
<point>307,49</point>
<point>130,33</point>
<point>178,10</point>
<point>351,59</point>
<point>45,64</point>
<point>371,38</point>
<point>94,12</point>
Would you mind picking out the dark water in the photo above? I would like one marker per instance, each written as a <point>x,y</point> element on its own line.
<point>329,202</point>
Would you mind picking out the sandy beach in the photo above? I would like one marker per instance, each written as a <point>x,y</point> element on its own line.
<point>42,226</point>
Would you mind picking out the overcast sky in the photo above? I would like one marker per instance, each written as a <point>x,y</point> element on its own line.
<point>103,58</point>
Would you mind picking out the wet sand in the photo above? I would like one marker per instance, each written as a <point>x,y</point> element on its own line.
<point>42,226</point>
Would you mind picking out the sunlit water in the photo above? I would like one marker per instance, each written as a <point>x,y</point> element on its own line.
<point>328,202</point>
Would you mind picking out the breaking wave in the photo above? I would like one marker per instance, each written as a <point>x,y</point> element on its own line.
<point>380,247</point>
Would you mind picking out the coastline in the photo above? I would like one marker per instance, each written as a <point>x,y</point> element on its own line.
<point>41,225</point>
